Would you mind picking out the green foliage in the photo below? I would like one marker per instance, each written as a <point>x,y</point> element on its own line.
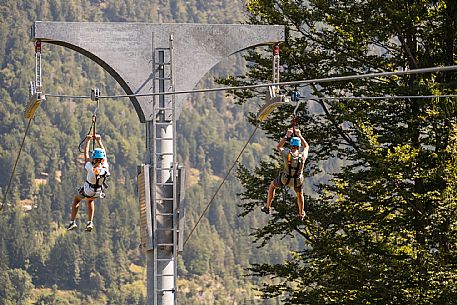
<point>6,289</point>
<point>382,231</point>
<point>22,283</point>
<point>15,287</point>
<point>64,263</point>
<point>95,268</point>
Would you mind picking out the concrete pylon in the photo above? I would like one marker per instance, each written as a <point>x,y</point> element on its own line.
<point>128,51</point>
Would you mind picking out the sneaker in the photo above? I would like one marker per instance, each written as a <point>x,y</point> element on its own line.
<point>301,217</point>
<point>89,226</point>
<point>72,225</point>
<point>265,210</point>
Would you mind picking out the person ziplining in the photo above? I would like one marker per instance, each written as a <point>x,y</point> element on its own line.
<point>293,157</point>
<point>292,174</point>
<point>97,169</point>
<point>97,172</point>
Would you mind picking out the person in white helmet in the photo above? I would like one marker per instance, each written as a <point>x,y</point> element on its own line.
<point>292,174</point>
<point>97,173</point>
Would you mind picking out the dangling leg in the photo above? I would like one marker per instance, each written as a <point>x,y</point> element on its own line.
<point>301,204</point>
<point>75,207</point>
<point>270,196</point>
<point>74,212</point>
<point>271,193</point>
<point>90,214</point>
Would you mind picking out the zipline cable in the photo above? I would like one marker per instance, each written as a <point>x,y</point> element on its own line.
<point>309,81</point>
<point>220,185</point>
<point>15,164</point>
<point>387,97</point>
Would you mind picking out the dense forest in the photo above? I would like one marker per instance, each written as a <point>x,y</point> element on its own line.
<point>42,263</point>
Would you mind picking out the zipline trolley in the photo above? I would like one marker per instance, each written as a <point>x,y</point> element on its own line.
<point>36,96</point>
<point>273,99</point>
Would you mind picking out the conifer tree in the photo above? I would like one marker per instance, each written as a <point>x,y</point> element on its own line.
<point>64,263</point>
<point>22,283</point>
<point>18,245</point>
<point>383,229</point>
<point>88,263</point>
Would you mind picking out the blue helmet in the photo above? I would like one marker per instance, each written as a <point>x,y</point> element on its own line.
<point>98,153</point>
<point>295,141</point>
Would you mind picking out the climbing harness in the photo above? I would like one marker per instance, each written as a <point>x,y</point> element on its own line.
<point>100,183</point>
<point>294,97</point>
<point>296,169</point>
<point>273,98</point>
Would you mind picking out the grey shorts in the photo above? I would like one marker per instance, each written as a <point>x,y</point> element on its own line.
<point>87,192</point>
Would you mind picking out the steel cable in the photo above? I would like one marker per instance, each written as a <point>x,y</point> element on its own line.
<point>220,185</point>
<point>15,164</point>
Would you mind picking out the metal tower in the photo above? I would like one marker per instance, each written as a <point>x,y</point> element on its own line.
<point>145,58</point>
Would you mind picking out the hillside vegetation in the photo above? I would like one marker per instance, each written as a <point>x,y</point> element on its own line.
<point>41,263</point>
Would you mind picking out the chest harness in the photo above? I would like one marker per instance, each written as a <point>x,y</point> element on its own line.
<point>296,169</point>
<point>100,180</point>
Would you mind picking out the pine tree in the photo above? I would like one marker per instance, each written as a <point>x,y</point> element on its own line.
<point>22,283</point>
<point>382,230</point>
<point>88,266</point>
<point>6,289</point>
<point>106,266</point>
<point>19,245</point>
<point>64,263</point>
<point>4,259</point>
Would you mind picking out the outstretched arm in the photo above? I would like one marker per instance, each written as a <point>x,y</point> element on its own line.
<point>303,141</point>
<point>98,138</point>
<point>284,139</point>
<point>86,149</point>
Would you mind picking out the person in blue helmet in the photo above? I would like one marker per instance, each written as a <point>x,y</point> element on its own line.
<point>97,172</point>
<point>292,174</point>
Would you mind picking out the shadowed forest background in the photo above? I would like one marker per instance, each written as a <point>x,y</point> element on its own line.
<point>40,262</point>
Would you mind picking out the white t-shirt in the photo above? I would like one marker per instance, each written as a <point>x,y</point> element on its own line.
<point>93,172</point>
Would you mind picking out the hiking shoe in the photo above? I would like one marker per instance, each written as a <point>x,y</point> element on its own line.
<point>72,225</point>
<point>89,226</point>
<point>265,210</point>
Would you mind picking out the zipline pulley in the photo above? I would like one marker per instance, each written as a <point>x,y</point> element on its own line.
<point>95,94</point>
<point>36,95</point>
<point>295,95</point>
<point>273,99</point>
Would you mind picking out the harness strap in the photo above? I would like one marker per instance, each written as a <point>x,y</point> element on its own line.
<point>100,181</point>
<point>289,165</point>
<point>94,186</point>
<point>102,184</point>
<point>94,132</point>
